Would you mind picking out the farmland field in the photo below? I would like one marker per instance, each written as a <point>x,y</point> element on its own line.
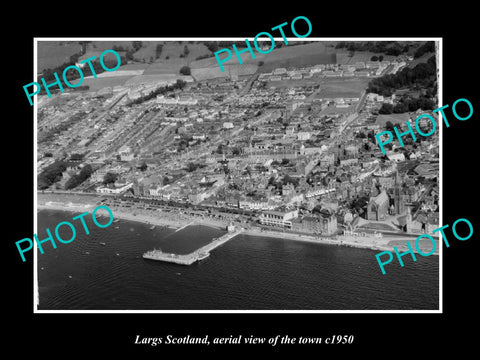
<point>54,53</point>
<point>421,59</point>
<point>307,53</point>
<point>107,45</point>
<point>332,88</point>
<point>293,83</point>
<point>155,79</point>
<point>171,66</point>
<point>364,56</point>
<point>100,83</point>
<point>206,73</point>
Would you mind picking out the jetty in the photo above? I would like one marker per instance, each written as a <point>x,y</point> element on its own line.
<point>197,255</point>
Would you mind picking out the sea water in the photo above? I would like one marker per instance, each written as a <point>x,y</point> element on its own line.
<point>246,273</point>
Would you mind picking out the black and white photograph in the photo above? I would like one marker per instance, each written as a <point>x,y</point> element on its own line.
<point>298,180</point>
<point>239,179</point>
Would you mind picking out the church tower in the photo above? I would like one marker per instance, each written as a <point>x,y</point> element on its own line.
<point>409,220</point>
<point>397,195</point>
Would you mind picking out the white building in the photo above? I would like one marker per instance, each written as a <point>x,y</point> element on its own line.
<point>303,135</point>
<point>396,156</point>
<point>278,218</point>
<point>114,190</point>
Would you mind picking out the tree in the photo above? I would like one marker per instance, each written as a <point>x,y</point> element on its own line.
<point>76,157</point>
<point>185,70</point>
<point>136,45</point>
<point>109,178</point>
<point>429,46</point>
<point>400,108</point>
<point>51,174</point>
<point>374,58</point>
<point>76,180</point>
<point>389,126</point>
<point>361,135</point>
<point>192,166</point>
<point>129,54</point>
<point>180,84</point>
<point>158,50</point>
<point>371,136</point>
<point>386,108</point>
<point>288,179</point>
<point>186,51</point>
<point>143,166</point>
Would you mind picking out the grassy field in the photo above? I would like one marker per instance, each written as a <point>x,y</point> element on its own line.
<point>154,79</point>
<point>165,67</point>
<point>343,58</point>
<point>107,45</point>
<point>287,56</point>
<point>298,55</point>
<point>293,83</point>
<point>421,59</point>
<point>350,87</point>
<point>100,83</point>
<point>54,53</point>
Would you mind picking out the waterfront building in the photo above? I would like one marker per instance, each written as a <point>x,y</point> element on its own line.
<point>280,218</point>
<point>377,207</point>
<point>325,223</point>
<point>114,189</point>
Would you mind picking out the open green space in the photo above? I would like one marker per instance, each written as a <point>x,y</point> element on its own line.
<point>51,54</point>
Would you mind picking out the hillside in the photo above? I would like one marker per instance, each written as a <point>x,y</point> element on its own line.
<point>55,53</point>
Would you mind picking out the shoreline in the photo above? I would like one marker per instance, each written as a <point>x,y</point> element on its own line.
<point>179,221</point>
<point>143,217</point>
<point>368,243</point>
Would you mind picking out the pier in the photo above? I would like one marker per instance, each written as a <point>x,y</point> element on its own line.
<point>197,255</point>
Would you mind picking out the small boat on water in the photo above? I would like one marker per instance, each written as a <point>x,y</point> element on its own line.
<point>102,243</point>
<point>152,227</point>
<point>116,220</point>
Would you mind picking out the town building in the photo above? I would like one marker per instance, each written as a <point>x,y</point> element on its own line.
<point>377,207</point>
<point>280,218</point>
<point>325,223</point>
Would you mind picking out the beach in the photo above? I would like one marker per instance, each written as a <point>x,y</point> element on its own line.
<point>82,203</point>
<point>178,219</point>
